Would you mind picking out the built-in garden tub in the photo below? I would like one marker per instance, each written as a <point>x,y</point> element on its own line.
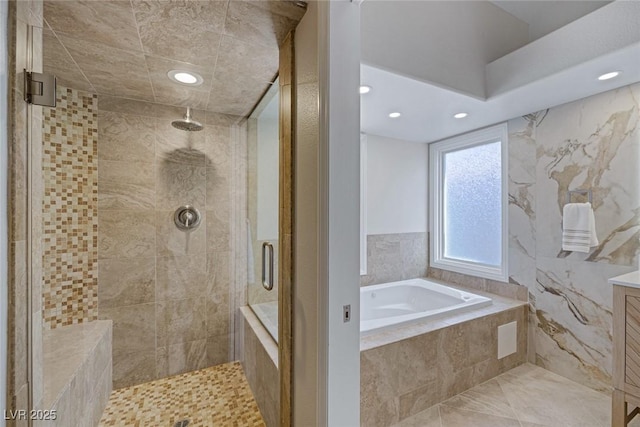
<point>398,303</point>
<point>423,341</point>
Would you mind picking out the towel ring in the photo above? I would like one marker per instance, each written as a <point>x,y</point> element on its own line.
<point>587,192</point>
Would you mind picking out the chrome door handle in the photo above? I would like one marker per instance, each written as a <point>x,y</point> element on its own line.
<point>267,284</point>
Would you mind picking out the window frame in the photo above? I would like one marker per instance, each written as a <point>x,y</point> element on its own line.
<point>437,151</point>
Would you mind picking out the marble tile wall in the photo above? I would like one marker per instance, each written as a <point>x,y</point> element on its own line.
<point>70,209</point>
<point>403,378</point>
<point>593,143</point>
<point>25,237</point>
<point>393,257</point>
<point>169,293</point>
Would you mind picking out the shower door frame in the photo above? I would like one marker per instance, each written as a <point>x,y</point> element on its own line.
<point>285,224</point>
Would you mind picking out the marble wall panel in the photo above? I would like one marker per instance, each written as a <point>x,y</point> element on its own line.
<point>593,143</point>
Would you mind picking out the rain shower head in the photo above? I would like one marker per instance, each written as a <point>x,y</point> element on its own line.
<point>187,123</point>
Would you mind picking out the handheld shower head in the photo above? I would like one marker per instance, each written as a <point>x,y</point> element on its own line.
<point>187,123</point>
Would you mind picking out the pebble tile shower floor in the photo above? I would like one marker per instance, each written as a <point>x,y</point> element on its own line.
<point>216,396</point>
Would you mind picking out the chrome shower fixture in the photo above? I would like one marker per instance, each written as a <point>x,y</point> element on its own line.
<point>187,123</point>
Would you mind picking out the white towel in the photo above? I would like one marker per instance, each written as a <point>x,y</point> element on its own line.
<point>578,227</point>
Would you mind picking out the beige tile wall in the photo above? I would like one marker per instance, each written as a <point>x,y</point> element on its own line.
<point>169,293</point>
<point>393,257</point>
<point>70,209</point>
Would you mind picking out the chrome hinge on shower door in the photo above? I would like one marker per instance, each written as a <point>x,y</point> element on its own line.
<point>40,88</point>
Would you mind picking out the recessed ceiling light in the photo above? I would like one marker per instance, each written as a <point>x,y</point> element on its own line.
<point>460,115</point>
<point>394,115</point>
<point>365,89</point>
<point>610,75</point>
<point>185,77</point>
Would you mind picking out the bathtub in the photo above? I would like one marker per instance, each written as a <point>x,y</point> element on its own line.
<point>398,303</point>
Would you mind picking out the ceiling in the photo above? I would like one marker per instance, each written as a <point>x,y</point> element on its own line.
<point>126,48</point>
<point>544,16</point>
<point>427,109</point>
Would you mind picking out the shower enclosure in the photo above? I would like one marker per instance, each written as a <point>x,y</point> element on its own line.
<point>262,206</point>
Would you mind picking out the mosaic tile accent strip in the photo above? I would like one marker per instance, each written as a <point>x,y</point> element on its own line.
<point>70,209</point>
<point>216,396</point>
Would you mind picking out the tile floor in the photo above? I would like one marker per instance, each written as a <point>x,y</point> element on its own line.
<point>216,396</point>
<point>526,396</point>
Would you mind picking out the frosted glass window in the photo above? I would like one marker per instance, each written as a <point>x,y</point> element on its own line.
<point>472,204</point>
<point>468,203</point>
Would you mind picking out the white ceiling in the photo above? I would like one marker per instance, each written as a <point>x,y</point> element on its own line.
<point>544,16</point>
<point>427,110</point>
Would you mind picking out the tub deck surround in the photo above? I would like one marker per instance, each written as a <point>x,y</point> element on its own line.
<point>77,372</point>
<point>260,365</point>
<point>408,301</point>
<point>419,327</point>
<point>409,368</point>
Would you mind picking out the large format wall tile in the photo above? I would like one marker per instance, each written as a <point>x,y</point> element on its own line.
<point>393,257</point>
<point>126,234</point>
<point>252,22</point>
<point>166,27</point>
<point>126,282</point>
<point>170,241</point>
<point>588,144</point>
<point>181,277</point>
<point>134,328</point>
<point>147,170</point>
<point>180,358</point>
<point>592,144</point>
<point>180,321</point>
<point>126,185</point>
<point>125,136</point>
<point>135,368</point>
<point>114,22</point>
<point>95,60</point>
<point>58,62</point>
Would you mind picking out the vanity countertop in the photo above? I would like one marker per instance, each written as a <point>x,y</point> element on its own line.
<point>631,280</point>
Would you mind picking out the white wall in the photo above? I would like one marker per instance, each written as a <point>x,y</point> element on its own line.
<point>396,186</point>
<point>4,237</point>
<point>417,39</point>
<point>340,124</point>
<point>326,380</point>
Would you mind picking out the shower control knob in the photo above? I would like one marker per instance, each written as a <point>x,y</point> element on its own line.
<point>187,218</point>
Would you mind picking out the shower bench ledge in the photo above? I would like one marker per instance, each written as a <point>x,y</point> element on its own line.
<point>77,372</point>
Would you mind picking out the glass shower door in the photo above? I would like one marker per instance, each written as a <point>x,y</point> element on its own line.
<point>263,204</point>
